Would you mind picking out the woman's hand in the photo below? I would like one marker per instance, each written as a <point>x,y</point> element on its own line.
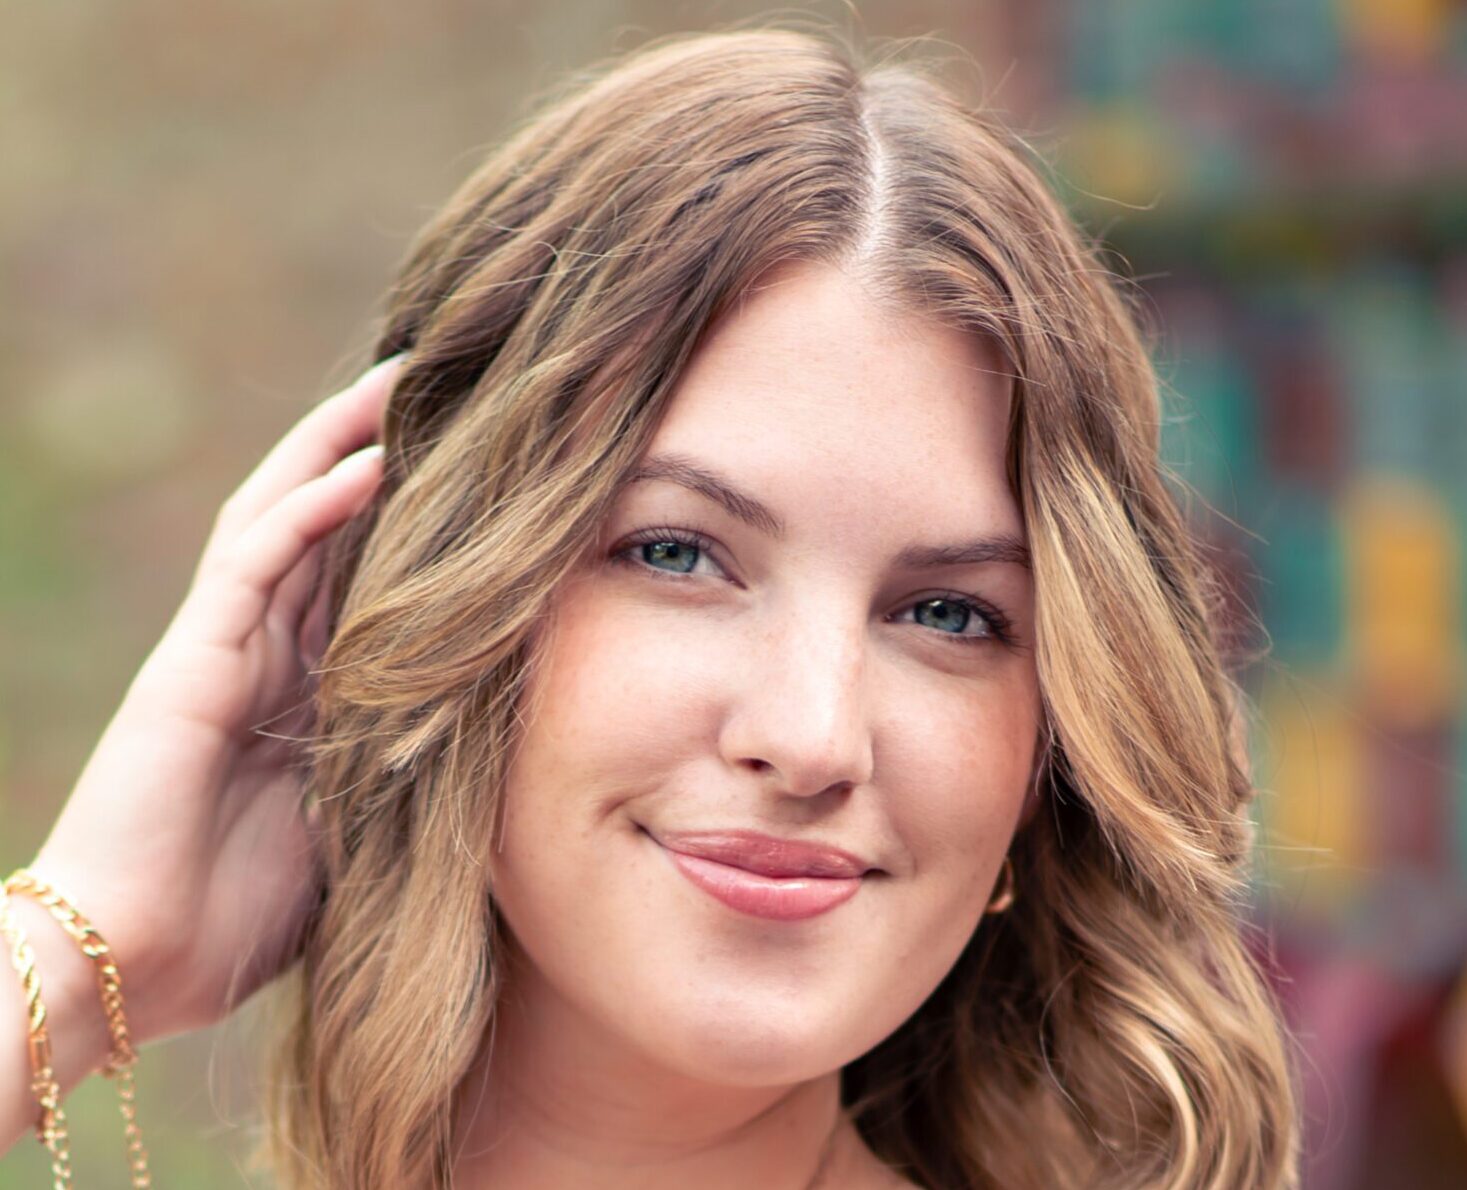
<point>185,840</point>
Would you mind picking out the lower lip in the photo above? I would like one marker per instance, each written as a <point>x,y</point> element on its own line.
<point>777,898</point>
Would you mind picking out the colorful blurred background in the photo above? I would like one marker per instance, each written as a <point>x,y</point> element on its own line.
<point>201,205</point>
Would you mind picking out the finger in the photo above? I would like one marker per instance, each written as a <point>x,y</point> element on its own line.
<point>284,663</point>
<point>311,640</point>
<point>233,593</point>
<point>295,627</point>
<point>333,429</point>
<point>293,593</point>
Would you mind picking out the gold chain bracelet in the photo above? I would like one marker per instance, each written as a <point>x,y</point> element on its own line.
<point>51,1127</point>
<point>109,982</point>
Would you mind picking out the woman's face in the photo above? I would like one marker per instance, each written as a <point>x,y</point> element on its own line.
<point>758,653</point>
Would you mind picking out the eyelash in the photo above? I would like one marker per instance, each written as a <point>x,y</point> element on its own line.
<point>998,624</point>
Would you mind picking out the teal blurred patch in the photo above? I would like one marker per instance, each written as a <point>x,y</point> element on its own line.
<point>1301,593</point>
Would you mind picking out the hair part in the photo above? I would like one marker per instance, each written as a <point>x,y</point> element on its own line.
<point>1112,1028</point>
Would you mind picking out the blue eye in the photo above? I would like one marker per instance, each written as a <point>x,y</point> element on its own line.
<point>677,551</point>
<point>653,547</point>
<point>951,614</point>
<point>656,552</point>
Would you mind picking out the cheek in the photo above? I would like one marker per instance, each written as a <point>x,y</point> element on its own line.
<point>591,733</point>
<point>614,705</point>
<point>961,767</point>
<point>614,701</point>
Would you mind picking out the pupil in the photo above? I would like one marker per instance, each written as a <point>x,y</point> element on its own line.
<point>956,619</point>
<point>674,551</point>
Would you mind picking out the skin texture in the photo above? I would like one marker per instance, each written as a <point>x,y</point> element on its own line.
<point>650,1035</point>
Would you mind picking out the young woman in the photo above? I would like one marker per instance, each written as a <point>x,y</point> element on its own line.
<point>762,718</point>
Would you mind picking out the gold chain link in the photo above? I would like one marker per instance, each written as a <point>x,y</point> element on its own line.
<point>51,1127</point>
<point>123,1057</point>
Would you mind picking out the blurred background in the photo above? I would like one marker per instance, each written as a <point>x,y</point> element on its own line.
<point>201,205</point>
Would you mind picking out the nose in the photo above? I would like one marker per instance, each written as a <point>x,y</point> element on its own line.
<point>800,718</point>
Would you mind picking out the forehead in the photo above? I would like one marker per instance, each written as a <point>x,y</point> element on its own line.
<point>812,377</point>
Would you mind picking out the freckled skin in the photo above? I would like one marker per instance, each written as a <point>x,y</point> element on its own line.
<point>782,686</point>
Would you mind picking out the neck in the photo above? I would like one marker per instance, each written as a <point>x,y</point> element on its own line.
<point>552,1101</point>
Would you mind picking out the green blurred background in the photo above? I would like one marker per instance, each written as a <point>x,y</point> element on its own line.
<point>201,205</point>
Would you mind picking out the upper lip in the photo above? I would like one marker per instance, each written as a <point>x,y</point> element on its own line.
<point>766,855</point>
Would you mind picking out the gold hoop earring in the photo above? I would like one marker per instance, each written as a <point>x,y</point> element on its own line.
<point>1005,898</point>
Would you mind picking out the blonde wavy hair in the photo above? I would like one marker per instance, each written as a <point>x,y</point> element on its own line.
<point>1110,1030</point>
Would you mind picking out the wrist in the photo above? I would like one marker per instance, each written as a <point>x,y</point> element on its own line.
<point>80,1041</point>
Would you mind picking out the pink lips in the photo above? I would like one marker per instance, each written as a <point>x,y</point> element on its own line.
<point>779,879</point>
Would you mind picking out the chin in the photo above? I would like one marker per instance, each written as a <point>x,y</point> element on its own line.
<point>751,1041</point>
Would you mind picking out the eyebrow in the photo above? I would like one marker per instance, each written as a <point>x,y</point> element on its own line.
<point>681,470</point>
